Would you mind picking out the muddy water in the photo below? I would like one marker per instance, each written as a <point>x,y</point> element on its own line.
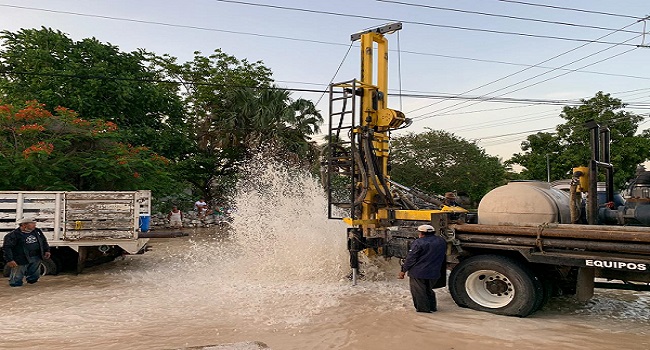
<point>166,299</point>
<point>277,278</point>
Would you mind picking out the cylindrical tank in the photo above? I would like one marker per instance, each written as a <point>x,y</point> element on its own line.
<point>519,202</point>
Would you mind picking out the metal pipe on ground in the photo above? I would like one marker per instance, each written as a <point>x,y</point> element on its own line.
<point>592,232</point>
<point>162,234</point>
<point>557,243</point>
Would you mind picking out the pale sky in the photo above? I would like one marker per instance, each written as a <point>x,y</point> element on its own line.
<point>433,59</point>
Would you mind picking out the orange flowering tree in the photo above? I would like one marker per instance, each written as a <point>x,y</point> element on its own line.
<point>42,150</point>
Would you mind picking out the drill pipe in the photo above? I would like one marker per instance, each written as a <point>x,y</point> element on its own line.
<point>161,234</point>
<point>557,243</point>
<point>591,232</point>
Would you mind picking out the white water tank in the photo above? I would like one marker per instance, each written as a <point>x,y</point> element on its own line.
<point>524,202</point>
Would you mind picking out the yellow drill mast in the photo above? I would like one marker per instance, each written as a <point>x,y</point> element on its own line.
<point>360,164</point>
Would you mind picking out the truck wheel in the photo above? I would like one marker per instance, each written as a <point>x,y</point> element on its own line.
<point>548,288</point>
<point>48,267</point>
<point>496,284</point>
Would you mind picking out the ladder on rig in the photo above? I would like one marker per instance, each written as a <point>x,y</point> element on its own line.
<point>340,163</point>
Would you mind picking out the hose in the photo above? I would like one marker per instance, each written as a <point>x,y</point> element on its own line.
<point>575,200</point>
<point>371,161</point>
<point>364,178</point>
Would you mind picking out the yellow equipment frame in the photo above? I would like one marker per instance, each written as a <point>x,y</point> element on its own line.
<point>375,115</point>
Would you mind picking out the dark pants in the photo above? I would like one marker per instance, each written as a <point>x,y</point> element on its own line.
<point>424,297</point>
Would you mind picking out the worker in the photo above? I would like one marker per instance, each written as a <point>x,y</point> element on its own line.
<point>24,248</point>
<point>450,199</point>
<point>175,217</point>
<point>201,208</point>
<point>424,263</point>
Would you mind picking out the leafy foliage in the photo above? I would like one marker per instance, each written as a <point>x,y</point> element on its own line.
<point>95,79</point>
<point>235,111</point>
<point>203,117</point>
<point>436,161</point>
<point>569,146</point>
<point>40,150</point>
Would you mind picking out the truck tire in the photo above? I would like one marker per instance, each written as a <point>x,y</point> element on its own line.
<point>48,267</point>
<point>496,284</point>
<point>548,288</point>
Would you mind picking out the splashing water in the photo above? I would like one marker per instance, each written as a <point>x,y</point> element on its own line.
<point>280,269</point>
<point>282,261</point>
<point>281,224</point>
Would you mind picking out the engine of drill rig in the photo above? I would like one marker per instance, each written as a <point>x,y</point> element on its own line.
<point>636,210</point>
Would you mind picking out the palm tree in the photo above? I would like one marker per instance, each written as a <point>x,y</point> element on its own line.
<point>268,117</point>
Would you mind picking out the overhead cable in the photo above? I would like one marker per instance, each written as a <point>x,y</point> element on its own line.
<point>436,25</point>
<point>569,24</point>
<point>429,115</point>
<point>570,9</point>
<point>557,102</point>
<point>533,84</point>
<point>538,64</point>
<point>298,39</point>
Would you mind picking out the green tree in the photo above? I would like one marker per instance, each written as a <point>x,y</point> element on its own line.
<point>569,146</point>
<point>40,150</point>
<point>277,121</point>
<point>206,115</point>
<point>235,110</point>
<point>215,131</point>
<point>95,79</point>
<point>436,161</point>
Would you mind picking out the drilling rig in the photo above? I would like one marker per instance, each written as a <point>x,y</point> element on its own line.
<point>532,240</point>
<point>383,219</point>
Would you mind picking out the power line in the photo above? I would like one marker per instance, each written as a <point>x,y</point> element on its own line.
<point>506,121</point>
<point>620,119</point>
<point>538,64</point>
<point>499,99</point>
<point>171,25</point>
<point>489,110</point>
<point>635,95</point>
<point>500,142</point>
<point>536,76</point>
<point>570,9</point>
<point>335,73</point>
<point>518,64</point>
<point>516,133</point>
<point>450,95</point>
<point>575,25</point>
<point>300,39</point>
<point>539,82</point>
<point>491,99</point>
<point>150,80</point>
<point>483,30</point>
<point>556,102</point>
<point>519,119</point>
<point>608,124</point>
<point>623,92</point>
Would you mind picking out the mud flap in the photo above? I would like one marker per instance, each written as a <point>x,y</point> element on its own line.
<point>585,283</point>
<point>81,260</point>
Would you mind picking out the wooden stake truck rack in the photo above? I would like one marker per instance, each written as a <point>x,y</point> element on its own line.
<point>81,227</point>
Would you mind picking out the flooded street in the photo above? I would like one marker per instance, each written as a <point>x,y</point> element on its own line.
<point>278,278</point>
<point>179,294</point>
